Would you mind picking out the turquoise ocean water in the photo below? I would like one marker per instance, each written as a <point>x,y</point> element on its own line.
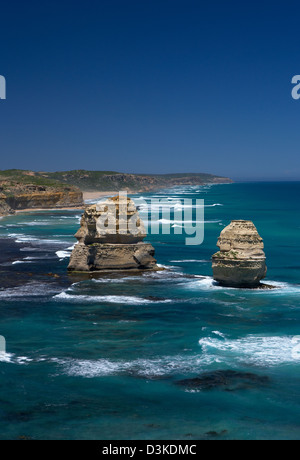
<point>166,355</point>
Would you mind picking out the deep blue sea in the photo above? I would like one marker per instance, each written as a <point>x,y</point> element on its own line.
<point>164,355</point>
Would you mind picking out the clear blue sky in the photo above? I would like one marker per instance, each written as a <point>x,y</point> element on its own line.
<point>151,86</point>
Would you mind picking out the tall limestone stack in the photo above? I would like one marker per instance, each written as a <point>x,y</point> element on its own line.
<point>241,261</point>
<point>111,238</point>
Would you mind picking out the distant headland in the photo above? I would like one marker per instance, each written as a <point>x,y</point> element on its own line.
<point>25,190</point>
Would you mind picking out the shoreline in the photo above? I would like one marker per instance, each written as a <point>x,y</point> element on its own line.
<point>70,208</point>
<point>87,195</point>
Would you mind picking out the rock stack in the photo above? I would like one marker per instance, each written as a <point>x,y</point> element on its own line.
<point>241,261</point>
<point>111,238</point>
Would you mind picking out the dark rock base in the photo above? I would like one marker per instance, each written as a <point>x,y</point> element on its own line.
<point>238,273</point>
<point>105,257</point>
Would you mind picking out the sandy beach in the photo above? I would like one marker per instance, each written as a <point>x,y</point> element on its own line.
<point>70,208</point>
<point>86,196</point>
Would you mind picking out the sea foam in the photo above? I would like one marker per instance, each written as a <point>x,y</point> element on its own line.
<point>118,299</point>
<point>252,349</point>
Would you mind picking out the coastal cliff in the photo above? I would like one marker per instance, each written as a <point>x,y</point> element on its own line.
<point>22,190</point>
<point>45,199</point>
<point>4,206</point>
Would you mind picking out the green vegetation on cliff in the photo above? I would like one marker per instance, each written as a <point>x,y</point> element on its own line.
<point>26,189</point>
<point>103,180</point>
<point>112,181</point>
<point>12,177</point>
<point>21,189</point>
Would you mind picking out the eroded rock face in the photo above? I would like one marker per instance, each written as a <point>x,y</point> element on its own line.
<point>111,221</point>
<point>14,197</point>
<point>241,261</point>
<point>5,209</point>
<point>111,238</point>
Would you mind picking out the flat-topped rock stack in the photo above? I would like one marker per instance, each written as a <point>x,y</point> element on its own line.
<point>111,238</point>
<point>241,261</point>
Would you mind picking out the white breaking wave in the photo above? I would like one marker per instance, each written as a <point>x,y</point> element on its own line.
<point>69,217</point>
<point>28,290</point>
<point>219,334</point>
<point>104,367</point>
<point>253,349</point>
<point>28,260</point>
<point>165,365</point>
<point>5,357</point>
<point>208,283</point>
<point>204,283</point>
<point>130,300</point>
<point>63,254</point>
<point>30,249</point>
<point>39,223</point>
<point>22,238</point>
<point>11,358</point>
<point>280,288</point>
<point>66,253</point>
<point>109,280</point>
